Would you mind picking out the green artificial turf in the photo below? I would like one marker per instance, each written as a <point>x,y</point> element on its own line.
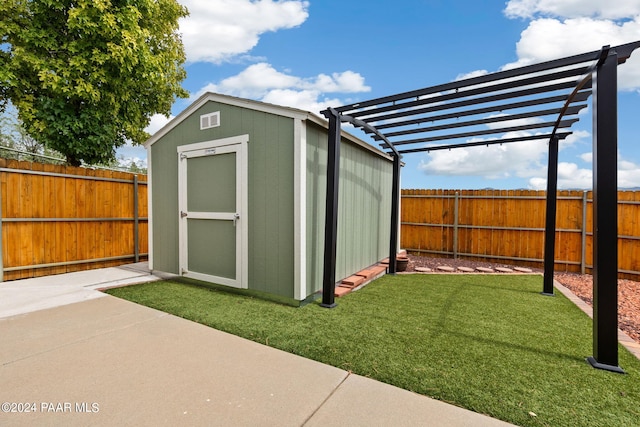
<point>490,343</point>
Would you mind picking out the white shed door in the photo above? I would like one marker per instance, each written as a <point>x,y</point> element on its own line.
<point>212,187</point>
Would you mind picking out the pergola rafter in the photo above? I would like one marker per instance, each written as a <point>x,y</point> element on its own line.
<point>538,102</point>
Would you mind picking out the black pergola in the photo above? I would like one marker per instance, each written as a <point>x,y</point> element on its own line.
<point>534,104</point>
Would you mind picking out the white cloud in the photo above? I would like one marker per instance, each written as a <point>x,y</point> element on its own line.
<point>128,154</point>
<point>512,123</point>
<point>522,159</point>
<point>557,28</point>
<point>610,9</point>
<point>217,30</point>
<point>551,38</point>
<point>538,184</point>
<point>126,162</point>
<point>263,82</point>
<point>307,100</point>
<point>257,80</point>
<point>157,122</point>
<point>629,178</point>
<point>577,137</point>
<point>570,176</point>
<point>626,165</point>
<point>525,159</point>
<point>472,74</point>
<point>586,157</point>
<point>345,82</point>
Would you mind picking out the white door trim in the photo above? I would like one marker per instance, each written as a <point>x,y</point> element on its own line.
<point>237,144</point>
<point>300,209</point>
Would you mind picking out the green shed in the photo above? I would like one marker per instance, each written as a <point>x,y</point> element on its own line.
<point>237,192</point>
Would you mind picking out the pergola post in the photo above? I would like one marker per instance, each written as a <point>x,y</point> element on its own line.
<point>331,211</point>
<point>550,217</point>
<point>605,215</point>
<point>395,215</point>
<point>420,121</point>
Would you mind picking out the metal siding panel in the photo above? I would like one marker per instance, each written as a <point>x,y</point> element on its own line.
<point>365,200</point>
<point>286,259</point>
<point>230,124</point>
<point>316,188</point>
<point>364,208</point>
<point>364,233</point>
<point>165,206</point>
<point>349,242</point>
<point>258,184</point>
<point>271,208</point>
<point>270,171</point>
<point>271,203</point>
<point>165,180</point>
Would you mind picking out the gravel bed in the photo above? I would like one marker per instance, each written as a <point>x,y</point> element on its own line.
<point>580,284</point>
<point>628,299</point>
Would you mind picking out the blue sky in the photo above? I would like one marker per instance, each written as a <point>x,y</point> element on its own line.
<point>319,53</point>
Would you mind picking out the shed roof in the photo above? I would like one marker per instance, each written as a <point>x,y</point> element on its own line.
<point>279,110</point>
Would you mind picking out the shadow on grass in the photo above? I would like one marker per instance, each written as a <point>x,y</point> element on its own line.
<point>518,347</point>
<point>458,294</point>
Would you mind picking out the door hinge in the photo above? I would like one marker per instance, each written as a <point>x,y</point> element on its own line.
<point>184,271</point>
<point>183,214</point>
<point>183,156</point>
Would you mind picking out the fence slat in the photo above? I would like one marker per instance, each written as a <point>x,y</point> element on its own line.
<point>54,191</point>
<point>508,225</point>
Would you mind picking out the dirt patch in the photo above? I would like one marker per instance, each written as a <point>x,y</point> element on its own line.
<point>580,284</point>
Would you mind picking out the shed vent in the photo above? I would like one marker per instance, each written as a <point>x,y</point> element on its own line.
<point>210,120</point>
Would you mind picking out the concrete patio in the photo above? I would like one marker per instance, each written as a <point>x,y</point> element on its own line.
<point>72,355</point>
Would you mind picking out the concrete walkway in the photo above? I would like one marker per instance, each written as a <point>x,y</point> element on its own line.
<point>71,355</point>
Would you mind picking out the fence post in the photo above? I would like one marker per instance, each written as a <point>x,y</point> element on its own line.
<point>136,238</point>
<point>455,226</point>
<point>583,262</point>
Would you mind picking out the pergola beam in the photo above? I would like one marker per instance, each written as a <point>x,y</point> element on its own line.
<point>491,100</point>
<point>442,99</point>
<point>581,97</point>
<point>520,89</point>
<point>487,143</point>
<point>624,52</point>
<point>488,120</point>
<point>562,124</point>
<point>488,78</point>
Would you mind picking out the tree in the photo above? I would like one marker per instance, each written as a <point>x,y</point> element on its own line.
<point>87,75</point>
<point>15,143</point>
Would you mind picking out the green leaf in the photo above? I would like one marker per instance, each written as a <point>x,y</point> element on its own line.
<point>87,75</point>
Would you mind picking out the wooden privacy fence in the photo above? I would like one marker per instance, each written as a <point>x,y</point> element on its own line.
<point>57,219</point>
<point>508,226</point>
